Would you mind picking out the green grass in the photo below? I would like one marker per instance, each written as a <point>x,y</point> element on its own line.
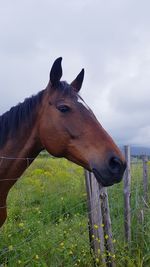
<point>47,219</point>
<point>138,252</point>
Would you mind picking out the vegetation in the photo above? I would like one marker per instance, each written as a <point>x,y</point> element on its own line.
<point>47,219</point>
<point>137,254</point>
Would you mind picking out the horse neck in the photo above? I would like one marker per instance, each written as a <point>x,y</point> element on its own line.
<point>20,151</point>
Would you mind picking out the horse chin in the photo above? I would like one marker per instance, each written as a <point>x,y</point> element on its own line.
<point>101,180</point>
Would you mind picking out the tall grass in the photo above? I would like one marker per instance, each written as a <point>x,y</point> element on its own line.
<point>48,224</point>
<point>137,253</point>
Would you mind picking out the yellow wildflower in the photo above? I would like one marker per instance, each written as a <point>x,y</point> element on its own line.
<point>97,260</point>
<point>95,226</point>
<point>36,257</point>
<point>21,225</point>
<point>10,248</point>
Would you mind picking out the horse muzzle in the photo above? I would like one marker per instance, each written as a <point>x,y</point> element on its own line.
<point>111,173</point>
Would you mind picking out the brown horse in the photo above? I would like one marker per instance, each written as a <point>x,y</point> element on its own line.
<point>58,120</point>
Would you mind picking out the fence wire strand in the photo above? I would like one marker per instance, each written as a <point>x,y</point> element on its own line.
<point>116,209</point>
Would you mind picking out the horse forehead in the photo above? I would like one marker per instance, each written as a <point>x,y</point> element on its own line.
<point>68,94</point>
<point>81,101</point>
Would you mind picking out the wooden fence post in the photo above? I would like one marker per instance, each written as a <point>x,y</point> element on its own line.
<point>127,194</point>
<point>99,221</point>
<point>145,179</point>
<point>107,227</point>
<point>96,234</point>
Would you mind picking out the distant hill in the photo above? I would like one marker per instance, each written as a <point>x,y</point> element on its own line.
<point>137,150</point>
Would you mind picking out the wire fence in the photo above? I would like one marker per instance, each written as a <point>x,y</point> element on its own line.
<point>48,219</point>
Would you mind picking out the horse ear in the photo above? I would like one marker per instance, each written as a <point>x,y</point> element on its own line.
<point>56,72</point>
<point>77,83</point>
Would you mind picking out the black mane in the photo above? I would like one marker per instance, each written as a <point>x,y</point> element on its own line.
<point>11,120</point>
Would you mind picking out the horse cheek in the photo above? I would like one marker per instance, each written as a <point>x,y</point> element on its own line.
<point>53,141</point>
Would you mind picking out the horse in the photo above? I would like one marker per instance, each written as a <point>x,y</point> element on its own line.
<point>57,120</point>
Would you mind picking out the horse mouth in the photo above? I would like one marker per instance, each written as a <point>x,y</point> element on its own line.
<point>100,179</point>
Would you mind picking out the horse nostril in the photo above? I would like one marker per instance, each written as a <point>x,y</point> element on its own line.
<point>115,165</point>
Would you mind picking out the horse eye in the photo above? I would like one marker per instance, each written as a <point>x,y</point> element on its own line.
<point>63,108</point>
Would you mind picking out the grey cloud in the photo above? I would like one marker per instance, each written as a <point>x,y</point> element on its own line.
<point>111,40</point>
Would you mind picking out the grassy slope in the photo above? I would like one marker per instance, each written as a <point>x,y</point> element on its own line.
<point>47,219</point>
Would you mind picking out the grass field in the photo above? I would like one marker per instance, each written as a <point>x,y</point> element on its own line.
<point>47,219</point>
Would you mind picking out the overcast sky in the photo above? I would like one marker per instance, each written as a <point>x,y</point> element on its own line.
<point>110,39</point>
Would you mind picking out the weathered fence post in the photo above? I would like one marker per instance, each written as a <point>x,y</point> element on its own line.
<point>145,179</point>
<point>99,221</point>
<point>127,194</point>
<point>107,227</point>
<point>96,234</point>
